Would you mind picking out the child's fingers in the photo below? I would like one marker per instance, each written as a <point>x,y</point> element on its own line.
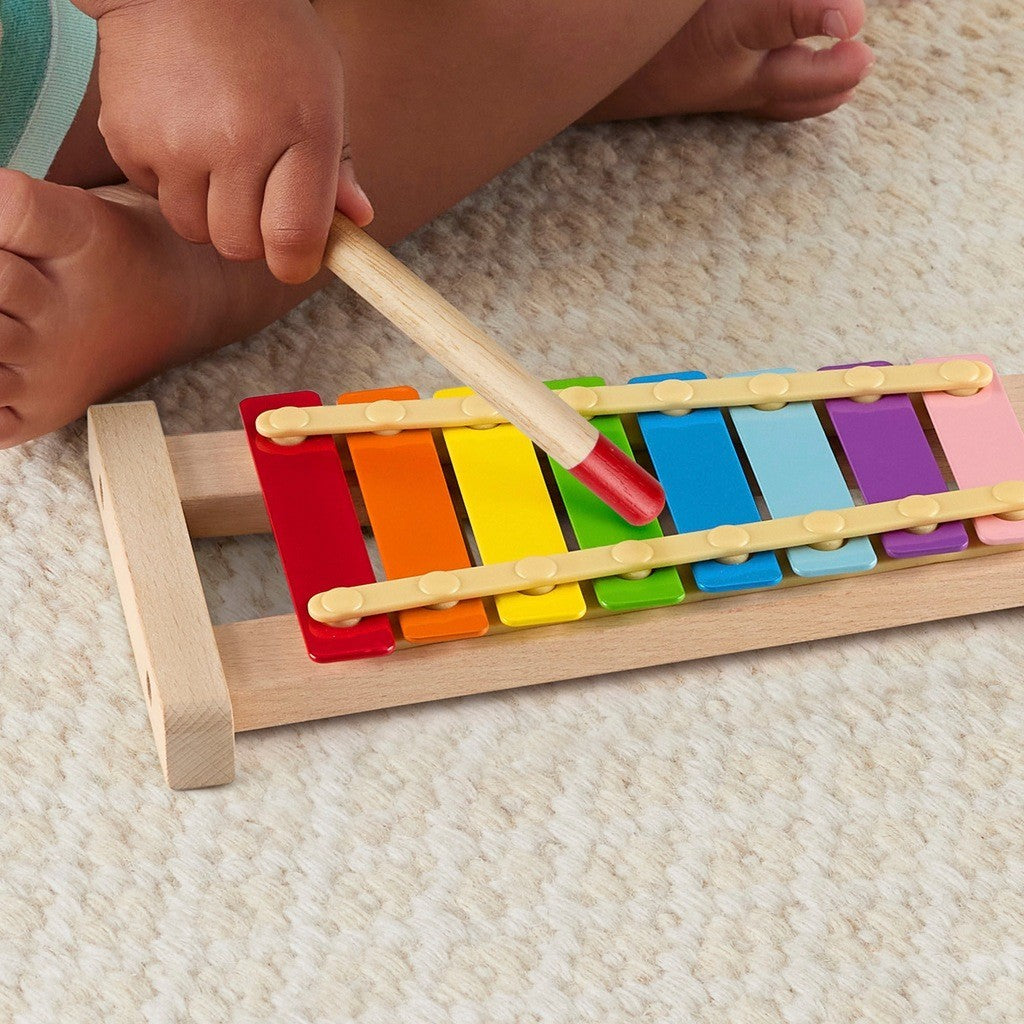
<point>235,207</point>
<point>351,199</point>
<point>143,178</point>
<point>298,206</point>
<point>141,175</point>
<point>183,203</point>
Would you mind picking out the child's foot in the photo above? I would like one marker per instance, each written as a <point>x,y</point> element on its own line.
<point>97,293</point>
<point>744,56</point>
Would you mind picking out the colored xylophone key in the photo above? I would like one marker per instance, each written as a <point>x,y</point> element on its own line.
<point>412,517</point>
<point>982,440</point>
<point>891,458</point>
<point>316,528</point>
<point>596,525</point>
<point>797,471</point>
<point>510,513</point>
<point>705,486</point>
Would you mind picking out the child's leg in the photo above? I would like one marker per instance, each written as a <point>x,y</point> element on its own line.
<point>730,56</point>
<point>437,78</point>
<point>97,293</point>
<point>476,86</point>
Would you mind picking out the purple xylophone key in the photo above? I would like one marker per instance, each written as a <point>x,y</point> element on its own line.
<point>891,458</point>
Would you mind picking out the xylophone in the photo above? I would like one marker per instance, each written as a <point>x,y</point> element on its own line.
<point>774,479</point>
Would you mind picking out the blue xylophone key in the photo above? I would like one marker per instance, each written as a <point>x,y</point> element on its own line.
<point>797,472</point>
<point>705,486</point>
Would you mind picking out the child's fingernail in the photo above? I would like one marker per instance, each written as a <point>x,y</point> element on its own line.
<point>357,197</point>
<point>834,24</point>
<point>358,189</point>
<point>867,71</point>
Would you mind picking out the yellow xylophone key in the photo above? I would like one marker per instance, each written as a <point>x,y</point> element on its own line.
<point>511,514</point>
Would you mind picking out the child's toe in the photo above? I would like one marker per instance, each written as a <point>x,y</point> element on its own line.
<point>12,430</point>
<point>41,220</point>
<point>761,25</point>
<point>841,19</point>
<point>802,110</point>
<point>25,293</point>
<point>16,343</point>
<point>12,393</point>
<point>800,75</point>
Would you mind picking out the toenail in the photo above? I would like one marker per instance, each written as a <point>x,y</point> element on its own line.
<point>834,24</point>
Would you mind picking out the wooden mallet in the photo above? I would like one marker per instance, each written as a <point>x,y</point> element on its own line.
<point>479,362</point>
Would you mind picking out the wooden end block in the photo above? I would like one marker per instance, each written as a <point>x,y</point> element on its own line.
<point>168,621</point>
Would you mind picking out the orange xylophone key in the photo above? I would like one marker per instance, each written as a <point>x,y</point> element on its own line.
<point>413,519</point>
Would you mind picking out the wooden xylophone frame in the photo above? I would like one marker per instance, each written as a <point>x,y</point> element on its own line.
<point>204,683</point>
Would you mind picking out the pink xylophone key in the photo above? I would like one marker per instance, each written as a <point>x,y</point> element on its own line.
<point>983,443</point>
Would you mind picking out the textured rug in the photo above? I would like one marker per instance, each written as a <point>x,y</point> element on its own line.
<point>825,833</point>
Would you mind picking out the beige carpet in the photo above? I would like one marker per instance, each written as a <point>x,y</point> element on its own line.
<point>831,833</point>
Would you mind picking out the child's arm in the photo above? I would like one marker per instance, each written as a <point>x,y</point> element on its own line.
<point>232,113</point>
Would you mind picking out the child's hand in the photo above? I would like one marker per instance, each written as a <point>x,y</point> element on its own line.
<point>232,113</point>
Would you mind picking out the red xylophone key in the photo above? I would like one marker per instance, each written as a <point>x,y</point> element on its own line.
<point>316,529</point>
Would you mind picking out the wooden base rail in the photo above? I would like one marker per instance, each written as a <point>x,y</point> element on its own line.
<point>203,683</point>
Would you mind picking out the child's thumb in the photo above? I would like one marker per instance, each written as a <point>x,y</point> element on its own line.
<point>352,200</point>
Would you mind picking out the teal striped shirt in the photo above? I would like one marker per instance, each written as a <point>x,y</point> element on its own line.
<point>46,56</point>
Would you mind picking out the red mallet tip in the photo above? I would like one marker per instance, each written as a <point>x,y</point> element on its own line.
<point>620,483</point>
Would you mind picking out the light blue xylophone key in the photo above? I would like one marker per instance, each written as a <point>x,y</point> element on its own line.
<point>797,472</point>
<point>705,486</point>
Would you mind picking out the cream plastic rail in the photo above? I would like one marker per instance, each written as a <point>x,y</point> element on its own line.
<point>290,425</point>
<point>632,558</point>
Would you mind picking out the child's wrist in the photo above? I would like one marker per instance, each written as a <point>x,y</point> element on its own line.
<point>96,9</point>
